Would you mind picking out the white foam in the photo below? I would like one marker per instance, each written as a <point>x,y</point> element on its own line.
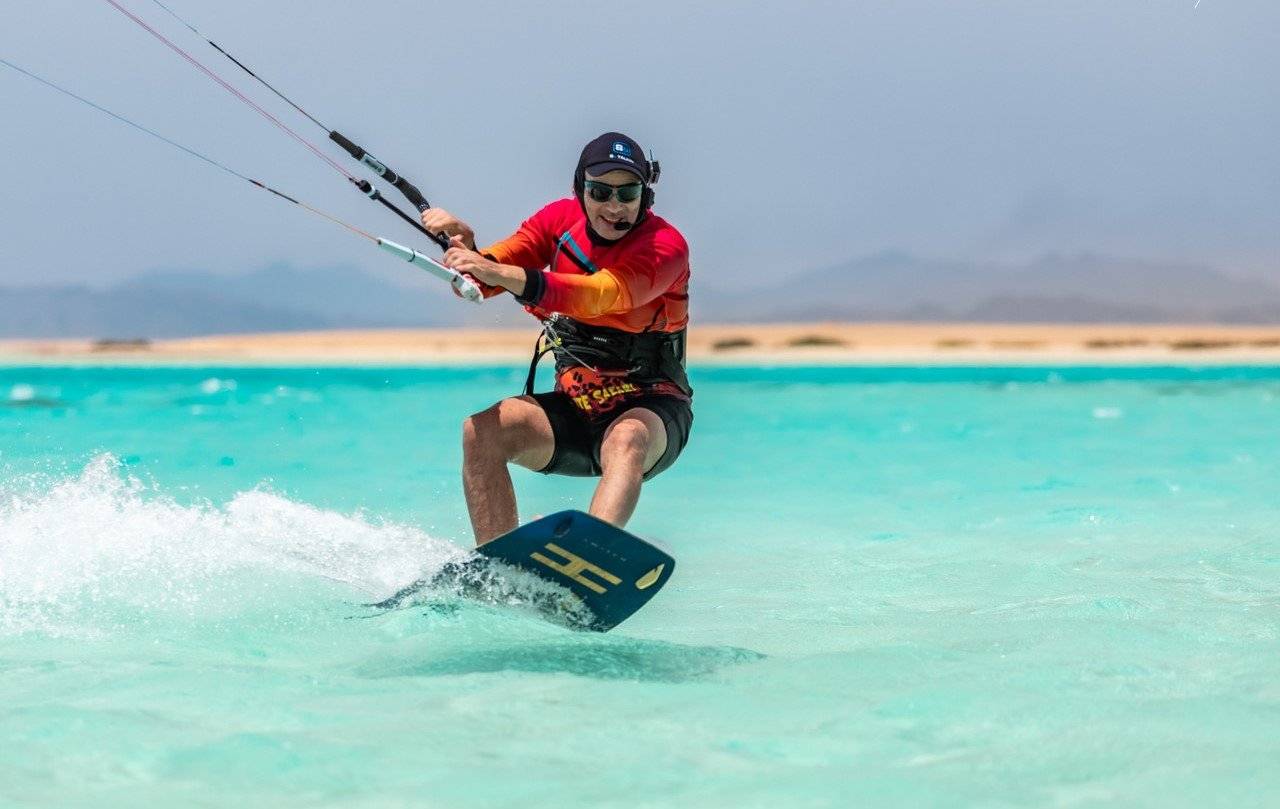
<point>21,393</point>
<point>103,539</point>
<point>214,385</point>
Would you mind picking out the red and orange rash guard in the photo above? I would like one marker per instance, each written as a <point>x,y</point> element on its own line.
<point>641,282</point>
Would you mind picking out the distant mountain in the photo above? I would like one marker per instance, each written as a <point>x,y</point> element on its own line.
<point>1081,288</point>
<point>342,296</point>
<point>887,286</point>
<point>188,303</point>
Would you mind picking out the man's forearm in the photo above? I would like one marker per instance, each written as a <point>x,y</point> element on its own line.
<point>510,277</point>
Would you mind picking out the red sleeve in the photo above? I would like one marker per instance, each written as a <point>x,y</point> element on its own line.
<point>534,243</point>
<point>651,269</point>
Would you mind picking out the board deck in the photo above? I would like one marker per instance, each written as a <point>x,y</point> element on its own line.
<point>603,574</point>
<point>613,572</point>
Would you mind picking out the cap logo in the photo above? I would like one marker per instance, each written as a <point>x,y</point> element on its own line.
<point>620,149</point>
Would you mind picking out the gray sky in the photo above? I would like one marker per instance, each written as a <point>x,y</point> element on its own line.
<point>792,135</point>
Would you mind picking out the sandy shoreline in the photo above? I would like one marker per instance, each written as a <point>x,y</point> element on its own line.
<point>818,343</point>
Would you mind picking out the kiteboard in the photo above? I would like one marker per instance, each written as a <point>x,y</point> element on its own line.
<point>600,574</point>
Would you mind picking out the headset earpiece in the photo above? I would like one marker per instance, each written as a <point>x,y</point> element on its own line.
<point>655,171</point>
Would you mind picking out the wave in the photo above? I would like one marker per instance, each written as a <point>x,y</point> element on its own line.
<point>102,550</point>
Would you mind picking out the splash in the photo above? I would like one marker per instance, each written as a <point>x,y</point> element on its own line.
<point>102,550</point>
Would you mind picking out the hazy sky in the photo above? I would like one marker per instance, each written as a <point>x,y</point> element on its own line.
<point>792,135</point>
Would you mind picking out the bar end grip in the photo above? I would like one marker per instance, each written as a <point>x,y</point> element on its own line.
<point>467,288</point>
<point>350,148</point>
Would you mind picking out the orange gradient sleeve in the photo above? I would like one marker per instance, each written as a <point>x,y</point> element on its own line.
<point>584,295</point>
<point>643,276</point>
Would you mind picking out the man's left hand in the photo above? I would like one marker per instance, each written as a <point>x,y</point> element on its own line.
<point>459,257</point>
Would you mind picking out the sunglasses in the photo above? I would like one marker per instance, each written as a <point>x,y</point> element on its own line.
<point>603,192</point>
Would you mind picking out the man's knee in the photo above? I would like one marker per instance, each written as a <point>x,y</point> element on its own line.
<point>631,440</point>
<point>628,437</point>
<point>483,431</point>
<point>508,429</point>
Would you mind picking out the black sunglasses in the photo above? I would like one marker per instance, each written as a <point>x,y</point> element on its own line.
<point>603,192</point>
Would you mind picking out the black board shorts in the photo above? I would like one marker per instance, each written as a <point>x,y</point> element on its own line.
<point>578,437</point>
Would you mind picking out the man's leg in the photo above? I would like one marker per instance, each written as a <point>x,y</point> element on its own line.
<point>514,430</point>
<point>632,445</point>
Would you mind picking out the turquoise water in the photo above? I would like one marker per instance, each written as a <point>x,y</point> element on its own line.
<point>896,586</point>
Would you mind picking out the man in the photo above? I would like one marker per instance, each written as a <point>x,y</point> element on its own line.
<point>609,280</point>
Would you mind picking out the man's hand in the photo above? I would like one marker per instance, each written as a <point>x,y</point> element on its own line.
<point>438,220</point>
<point>468,262</point>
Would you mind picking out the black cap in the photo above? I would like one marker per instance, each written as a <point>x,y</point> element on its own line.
<point>614,150</point>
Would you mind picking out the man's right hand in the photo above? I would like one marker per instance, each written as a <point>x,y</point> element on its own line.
<point>438,220</point>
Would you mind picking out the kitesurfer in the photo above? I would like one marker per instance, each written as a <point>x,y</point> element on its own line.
<point>608,278</point>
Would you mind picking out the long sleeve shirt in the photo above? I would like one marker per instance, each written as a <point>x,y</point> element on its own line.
<point>638,283</point>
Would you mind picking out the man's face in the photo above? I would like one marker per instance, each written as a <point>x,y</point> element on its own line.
<point>604,216</point>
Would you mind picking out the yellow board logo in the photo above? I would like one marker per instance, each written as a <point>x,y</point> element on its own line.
<point>649,579</point>
<point>575,567</point>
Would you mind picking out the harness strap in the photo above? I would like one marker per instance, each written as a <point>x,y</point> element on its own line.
<point>539,351</point>
<point>575,254</point>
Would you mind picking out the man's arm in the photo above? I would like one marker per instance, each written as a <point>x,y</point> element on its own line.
<point>500,266</point>
<point>483,268</point>
<point>634,282</point>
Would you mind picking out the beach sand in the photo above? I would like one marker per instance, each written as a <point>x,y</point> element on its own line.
<point>823,343</point>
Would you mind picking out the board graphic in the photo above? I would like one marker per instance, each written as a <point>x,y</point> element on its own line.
<point>613,572</point>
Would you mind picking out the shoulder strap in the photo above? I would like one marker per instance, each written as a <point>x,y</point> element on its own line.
<point>575,254</point>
